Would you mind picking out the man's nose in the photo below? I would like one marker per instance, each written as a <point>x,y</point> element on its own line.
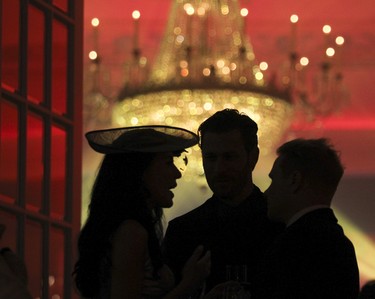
<point>220,165</point>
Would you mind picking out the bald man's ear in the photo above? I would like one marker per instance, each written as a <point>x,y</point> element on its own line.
<point>253,157</point>
<point>296,181</point>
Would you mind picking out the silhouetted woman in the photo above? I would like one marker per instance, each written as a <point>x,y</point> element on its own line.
<point>119,245</point>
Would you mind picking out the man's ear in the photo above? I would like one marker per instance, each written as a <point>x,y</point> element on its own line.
<point>296,181</point>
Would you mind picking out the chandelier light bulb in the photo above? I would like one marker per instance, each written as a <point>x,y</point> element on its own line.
<point>304,61</point>
<point>258,76</point>
<point>136,14</point>
<point>201,11</point>
<point>294,18</point>
<point>225,70</point>
<point>327,29</point>
<point>233,66</point>
<point>95,22</point>
<point>134,121</point>
<point>183,64</point>
<point>330,52</point>
<point>263,65</point>
<point>340,40</point>
<point>220,63</point>
<point>189,9</point>
<point>93,55</point>
<point>180,39</point>
<point>224,9</point>
<point>184,72</point>
<point>244,12</point>
<point>206,72</point>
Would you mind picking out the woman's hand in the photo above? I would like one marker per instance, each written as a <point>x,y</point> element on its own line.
<point>195,271</point>
<point>197,268</point>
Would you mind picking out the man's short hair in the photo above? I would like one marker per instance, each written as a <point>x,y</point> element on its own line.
<point>316,159</point>
<point>231,119</point>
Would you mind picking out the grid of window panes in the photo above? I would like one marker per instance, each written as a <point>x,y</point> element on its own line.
<point>40,129</point>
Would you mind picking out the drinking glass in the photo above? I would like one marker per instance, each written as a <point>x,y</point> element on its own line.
<point>237,273</point>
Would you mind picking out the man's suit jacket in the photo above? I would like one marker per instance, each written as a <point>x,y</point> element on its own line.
<point>234,235</point>
<point>311,259</point>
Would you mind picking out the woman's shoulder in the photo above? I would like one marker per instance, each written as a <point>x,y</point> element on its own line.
<point>131,229</point>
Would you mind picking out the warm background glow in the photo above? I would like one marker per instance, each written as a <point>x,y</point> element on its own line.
<point>268,26</point>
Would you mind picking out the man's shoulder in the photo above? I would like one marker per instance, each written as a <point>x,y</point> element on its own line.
<point>194,214</point>
<point>320,227</point>
<point>321,220</point>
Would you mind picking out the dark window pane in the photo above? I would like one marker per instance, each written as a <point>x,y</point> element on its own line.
<point>59,67</point>
<point>9,237</point>
<point>10,45</point>
<point>57,262</point>
<point>8,151</point>
<point>34,162</point>
<point>62,4</point>
<point>33,257</point>
<point>58,172</point>
<point>35,55</point>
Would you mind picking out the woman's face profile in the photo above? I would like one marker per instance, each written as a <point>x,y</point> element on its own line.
<point>159,178</point>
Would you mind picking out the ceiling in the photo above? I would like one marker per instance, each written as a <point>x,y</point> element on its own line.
<point>352,130</point>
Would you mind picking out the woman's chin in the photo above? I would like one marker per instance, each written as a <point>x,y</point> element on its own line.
<point>168,200</point>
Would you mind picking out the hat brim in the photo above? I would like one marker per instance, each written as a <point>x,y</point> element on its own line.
<point>146,139</point>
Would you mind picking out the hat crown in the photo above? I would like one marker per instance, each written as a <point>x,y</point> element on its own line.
<point>148,139</point>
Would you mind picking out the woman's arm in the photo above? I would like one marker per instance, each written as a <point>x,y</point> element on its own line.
<point>128,260</point>
<point>194,273</point>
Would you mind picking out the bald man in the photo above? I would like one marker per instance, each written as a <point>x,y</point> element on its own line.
<point>312,258</point>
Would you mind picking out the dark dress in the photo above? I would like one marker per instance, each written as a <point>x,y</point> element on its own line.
<point>234,235</point>
<point>152,287</point>
<point>311,259</point>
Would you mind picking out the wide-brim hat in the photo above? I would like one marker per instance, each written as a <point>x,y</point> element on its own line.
<point>146,139</point>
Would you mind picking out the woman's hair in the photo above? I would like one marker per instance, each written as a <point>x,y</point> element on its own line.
<point>118,194</point>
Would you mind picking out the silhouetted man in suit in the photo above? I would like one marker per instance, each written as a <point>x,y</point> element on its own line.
<point>233,223</point>
<point>312,258</point>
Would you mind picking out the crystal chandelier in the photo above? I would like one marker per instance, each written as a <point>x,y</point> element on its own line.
<point>205,64</point>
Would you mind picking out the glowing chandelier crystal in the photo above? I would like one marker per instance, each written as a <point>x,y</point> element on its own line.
<point>205,64</point>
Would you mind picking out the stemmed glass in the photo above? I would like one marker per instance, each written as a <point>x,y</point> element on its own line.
<point>237,273</point>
